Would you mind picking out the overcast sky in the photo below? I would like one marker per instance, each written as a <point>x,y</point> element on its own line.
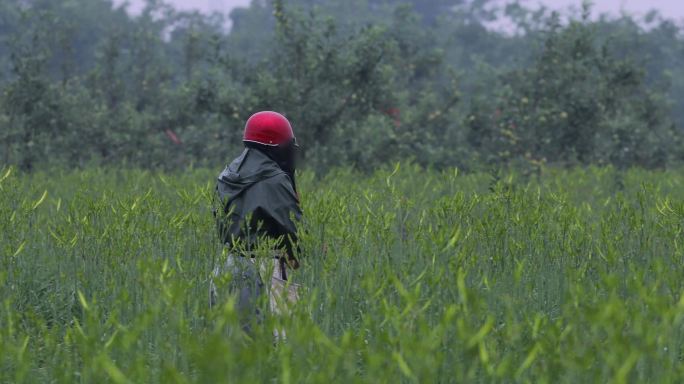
<point>669,8</point>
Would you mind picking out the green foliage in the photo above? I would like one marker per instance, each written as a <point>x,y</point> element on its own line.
<point>366,82</point>
<point>578,103</point>
<point>410,276</point>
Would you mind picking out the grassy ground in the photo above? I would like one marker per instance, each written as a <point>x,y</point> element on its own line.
<point>574,276</point>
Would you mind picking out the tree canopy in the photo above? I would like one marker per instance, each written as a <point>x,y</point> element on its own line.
<point>364,81</point>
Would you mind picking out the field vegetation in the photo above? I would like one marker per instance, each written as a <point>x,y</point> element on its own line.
<point>411,275</point>
<point>480,205</point>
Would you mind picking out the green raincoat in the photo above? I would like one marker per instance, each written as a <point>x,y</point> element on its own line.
<point>257,199</point>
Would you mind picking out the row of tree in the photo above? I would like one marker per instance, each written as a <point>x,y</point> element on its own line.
<point>365,82</point>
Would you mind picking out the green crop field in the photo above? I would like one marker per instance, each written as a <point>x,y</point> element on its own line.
<point>411,275</point>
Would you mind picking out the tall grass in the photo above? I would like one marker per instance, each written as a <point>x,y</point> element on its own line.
<point>411,276</point>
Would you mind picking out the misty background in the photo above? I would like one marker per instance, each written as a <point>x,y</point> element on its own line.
<point>673,9</point>
<point>441,83</point>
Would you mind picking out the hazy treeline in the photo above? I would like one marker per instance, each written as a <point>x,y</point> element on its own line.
<point>364,81</point>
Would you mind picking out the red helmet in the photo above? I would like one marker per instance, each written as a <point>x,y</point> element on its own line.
<point>269,128</point>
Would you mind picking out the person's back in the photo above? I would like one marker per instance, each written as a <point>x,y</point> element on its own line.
<point>258,200</point>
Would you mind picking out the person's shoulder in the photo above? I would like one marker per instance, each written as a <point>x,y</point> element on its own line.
<point>278,184</point>
<point>273,191</point>
<point>279,180</point>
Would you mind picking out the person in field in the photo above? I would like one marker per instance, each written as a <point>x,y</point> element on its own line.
<point>258,203</point>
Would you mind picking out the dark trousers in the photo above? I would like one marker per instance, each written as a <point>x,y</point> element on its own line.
<point>248,286</point>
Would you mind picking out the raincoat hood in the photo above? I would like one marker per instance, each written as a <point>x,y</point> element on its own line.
<point>251,167</point>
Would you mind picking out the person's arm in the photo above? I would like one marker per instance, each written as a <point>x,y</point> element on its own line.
<point>280,212</point>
